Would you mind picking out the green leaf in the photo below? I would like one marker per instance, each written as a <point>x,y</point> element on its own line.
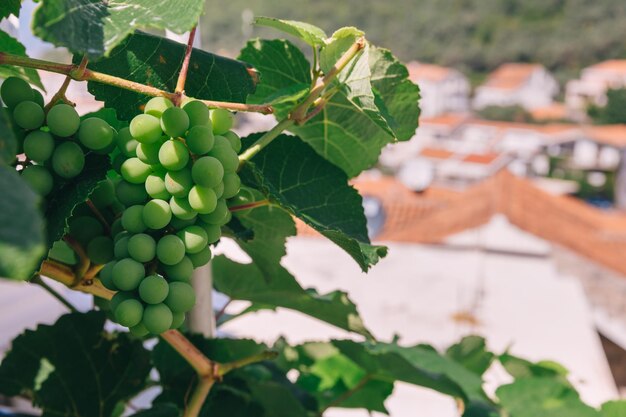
<point>284,71</point>
<point>62,201</point>
<point>22,239</point>
<point>156,61</point>
<point>13,46</point>
<point>316,191</point>
<point>545,397</point>
<point>521,368</point>
<point>73,368</point>
<point>160,410</point>
<point>310,34</point>
<point>288,95</point>
<point>613,409</point>
<point>247,282</point>
<point>472,353</point>
<point>8,141</point>
<point>10,7</point>
<point>94,28</point>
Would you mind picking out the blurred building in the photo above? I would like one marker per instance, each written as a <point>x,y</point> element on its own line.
<point>593,84</point>
<point>442,89</point>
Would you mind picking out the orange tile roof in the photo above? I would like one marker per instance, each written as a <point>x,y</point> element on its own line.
<point>556,111</point>
<point>613,65</point>
<point>483,159</point>
<point>448,119</point>
<point>429,72</point>
<point>436,153</point>
<point>510,76</point>
<point>613,135</point>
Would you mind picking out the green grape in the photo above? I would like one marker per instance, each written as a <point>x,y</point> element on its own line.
<point>142,247</point>
<point>106,276</point>
<point>85,228</point>
<point>68,160</point>
<point>104,194</point>
<point>14,91</point>
<point>129,313</point>
<point>38,98</point>
<point>180,208</point>
<point>28,115</point>
<point>234,139</point>
<point>217,216</point>
<point>153,289</point>
<point>207,172</point>
<point>117,161</point>
<point>213,232</point>
<point>224,152</point>
<point>181,297</point>
<point>177,320</point>
<point>202,199</point>
<point>170,250</point>
<point>198,113</point>
<point>201,258</point>
<point>157,105</point>
<point>63,120</point>
<point>200,139</point>
<point>157,214</point>
<point>38,146</point>
<point>232,183</point>
<point>219,190</point>
<point>173,155</point>
<point>116,227</point>
<point>178,183</point>
<point>125,143</point>
<point>194,238</point>
<point>155,186</point>
<point>119,297</point>
<point>146,128</point>
<point>132,219</point>
<point>95,133</point>
<point>127,274</point>
<point>157,318</point>
<point>120,249</point>
<point>62,252</point>
<point>149,152</point>
<point>130,194</point>
<point>39,179</point>
<point>135,171</point>
<point>222,121</point>
<point>139,330</point>
<point>181,271</point>
<point>121,234</point>
<point>178,224</point>
<point>100,250</point>
<point>174,122</point>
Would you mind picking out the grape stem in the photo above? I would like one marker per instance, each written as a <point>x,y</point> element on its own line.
<point>85,74</point>
<point>252,205</point>
<point>84,261</point>
<point>264,140</point>
<point>99,215</point>
<point>182,75</point>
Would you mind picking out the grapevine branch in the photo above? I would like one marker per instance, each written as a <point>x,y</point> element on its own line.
<point>182,75</point>
<point>84,74</point>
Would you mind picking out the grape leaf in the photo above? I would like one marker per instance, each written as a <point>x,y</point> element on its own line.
<point>8,141</point>
<point>94,28</point>
<point>22,236</point>
<point>10,7</point>
<point>310,34</point>
<point>471,352</point>
<point>62,201</point>
<point>156,61</point>
<point>13,46</point>
<point>291,173</point>
<point>160,410</point>
<point>614,409</point>
<point>71,370</point>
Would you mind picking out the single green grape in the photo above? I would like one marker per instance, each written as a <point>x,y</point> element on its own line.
<point>203,200</point>
<point>232,184</point>
<point>132,219</point>
<point>100,250</point>
<point>157,214</point>
<point>179,224</point>
<point>194,238</point>
<point>157,318</point>
<point>129,313</point>
<point>200,139</point>
<point>135,171</point>
<point>95,133</point>
<point>125,143</point>
<point>85,228</point>
<point>170,250</point>
<point>181,271</point>
<point>38,98</point>
<point>139,330</point>
<point>178,183</point>
<point>104,194</point>
<point>181,297</point>
<point>224,152</point>
<point>174,122</point>
<point>155,186</point>
<point>222,121</point>
<point>38,146</point>
<point>116,227</point>
<point>149,152</point>
<point>130,194</point>
<point>234,139</point>
<point>120,249</point>
<point>207,172</point>
<point>68,160</point>
<point>63,120</point>
<point>177,320</point>
<point>219,190</point>
<point>173,155</point>
<point>217,216</point>
<point>142,247</point>
<point>213,231</point>
<point>157,105</point>
<point>28,115</point>
<point>121,296</point>
<point>153,289</point>
<point>127,274</point>
<point>182,209</point>
<point>146,128</point>
<point>106,276</point>
<point>201,258</point>
<point>14,90</point>
<point>39,179</point>
<point>198,112</point>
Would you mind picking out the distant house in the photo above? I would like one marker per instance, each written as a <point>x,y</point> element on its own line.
<point>593,84</point>
<point>443,90</point>
<point>526,85</point>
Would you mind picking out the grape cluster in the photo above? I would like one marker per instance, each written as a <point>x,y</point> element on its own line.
<point>54,144</point>
<point>177,169</point>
